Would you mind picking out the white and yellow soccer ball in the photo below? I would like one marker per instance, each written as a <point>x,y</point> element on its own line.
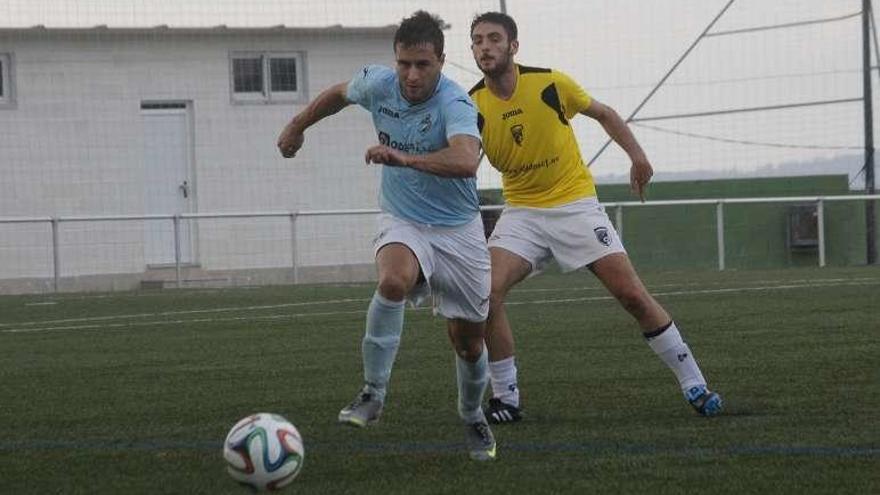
<point>263,451</point>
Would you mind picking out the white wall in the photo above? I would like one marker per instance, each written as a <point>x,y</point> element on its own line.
<point>73,146</point>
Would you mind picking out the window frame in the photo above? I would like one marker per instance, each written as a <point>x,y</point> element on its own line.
<point>7,96</point>
<point>266,95</point>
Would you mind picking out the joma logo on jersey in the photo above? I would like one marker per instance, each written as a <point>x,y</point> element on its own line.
<point>511,113</point>
<point>389,112</point>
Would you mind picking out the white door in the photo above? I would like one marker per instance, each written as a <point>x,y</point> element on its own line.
<point>168,187</point>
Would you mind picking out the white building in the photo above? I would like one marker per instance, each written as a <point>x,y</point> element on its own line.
<point>136,121</point>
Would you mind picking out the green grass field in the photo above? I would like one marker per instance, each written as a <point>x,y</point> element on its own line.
<point>134,392</point>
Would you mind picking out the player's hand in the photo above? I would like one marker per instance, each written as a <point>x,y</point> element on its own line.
<point>290,141</point>
<point>639,175</point>
<point>386,156</point>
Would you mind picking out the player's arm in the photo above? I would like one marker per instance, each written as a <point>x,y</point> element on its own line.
<point>641,171</point>
<point>330,101</point>
<point>460,159</point>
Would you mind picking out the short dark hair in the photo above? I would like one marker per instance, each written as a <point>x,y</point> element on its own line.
<point>419,28</point>
<point>499,18</point>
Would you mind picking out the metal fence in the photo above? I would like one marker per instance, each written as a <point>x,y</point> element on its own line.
<point>295,217</point>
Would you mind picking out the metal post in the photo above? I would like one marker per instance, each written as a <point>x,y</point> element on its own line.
<point>293,248</point>
<point>618,220</point>
<point>719,228</point>
<point>820,226</point>
<point>664,78</point>
<point>56,255</point>
<point>503,7</point>
<point>870,217</point>
<point>176,220</point>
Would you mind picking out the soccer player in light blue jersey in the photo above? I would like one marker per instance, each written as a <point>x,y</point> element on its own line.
<point>431,238</point>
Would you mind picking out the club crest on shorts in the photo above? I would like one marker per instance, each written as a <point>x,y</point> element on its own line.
<point>603,235</point>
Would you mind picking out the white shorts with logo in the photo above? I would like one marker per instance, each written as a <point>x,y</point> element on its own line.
<point>454,261</point>
<point>575,234</point>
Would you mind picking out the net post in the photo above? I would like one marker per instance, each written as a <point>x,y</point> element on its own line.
<point>719,232</point>
<point>868,114</point>
<point>56,255</point>
<point>618,220</point>
<point>176,220</point>
<point>293,247</point>
<point>820,227</point>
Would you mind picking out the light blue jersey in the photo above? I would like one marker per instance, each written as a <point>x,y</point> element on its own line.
<point>419,129</point>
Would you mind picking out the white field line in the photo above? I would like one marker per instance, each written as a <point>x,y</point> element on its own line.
<point>712,291</point>
<point>62,298</point>
<point>104,322</point>
<point>154,323</point>
<point>653,287</point>
<point>73,296</point>
<point>186,312</point>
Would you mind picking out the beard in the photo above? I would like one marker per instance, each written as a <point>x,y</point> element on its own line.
<point>501,66</point>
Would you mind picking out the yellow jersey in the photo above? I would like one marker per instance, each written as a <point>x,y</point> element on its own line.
<point>529,138</point>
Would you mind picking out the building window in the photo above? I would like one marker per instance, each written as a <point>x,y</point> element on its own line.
<point>7,82</point>
<point>247,75</point>
<point>267,77</point>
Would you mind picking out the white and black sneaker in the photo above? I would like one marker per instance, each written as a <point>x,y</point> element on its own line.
<point>499,412</point>
<point>480,441</point>
<point>363,410</point>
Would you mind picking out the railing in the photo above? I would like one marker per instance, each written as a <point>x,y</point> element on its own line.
<point>719,214</point>
<point>618,208</point>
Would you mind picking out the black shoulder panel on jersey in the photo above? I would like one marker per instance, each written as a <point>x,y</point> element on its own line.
<point>480,122</point>
<point>525,70</point>
<point>551,97</point>
<point>480,85</point>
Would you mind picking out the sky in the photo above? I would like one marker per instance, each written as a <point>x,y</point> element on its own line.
<point>618,50</point>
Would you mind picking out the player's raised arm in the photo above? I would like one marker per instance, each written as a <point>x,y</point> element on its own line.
<point>460,159</point>
<point>330,101</point>
<point>641,172</point>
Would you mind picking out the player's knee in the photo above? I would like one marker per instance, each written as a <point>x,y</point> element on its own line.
<point>469,350</point>
<point>393,287</point>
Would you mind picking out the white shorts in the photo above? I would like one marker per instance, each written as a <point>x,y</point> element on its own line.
<point>454,260</point>
<point>575,234</point>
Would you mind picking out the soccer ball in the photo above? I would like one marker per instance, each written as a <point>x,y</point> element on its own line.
<point>263,451</point>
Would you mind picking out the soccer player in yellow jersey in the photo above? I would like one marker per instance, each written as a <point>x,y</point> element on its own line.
<point>551,209</point>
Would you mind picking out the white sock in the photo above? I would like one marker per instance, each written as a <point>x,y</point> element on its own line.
<point>503,376</point>
<point>381,340</point>
<point>667,344</point>
<point>472,381</point>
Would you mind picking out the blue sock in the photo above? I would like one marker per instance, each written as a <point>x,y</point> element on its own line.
<point>472,381</point>
<point>381,340</point>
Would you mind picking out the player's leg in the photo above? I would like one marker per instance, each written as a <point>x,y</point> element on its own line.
<point>398,271</point>
<point>467,339</point>
<point>508,269</point>
<point>616,272</point>
<point>461,273</point>
<point>519,248</point>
